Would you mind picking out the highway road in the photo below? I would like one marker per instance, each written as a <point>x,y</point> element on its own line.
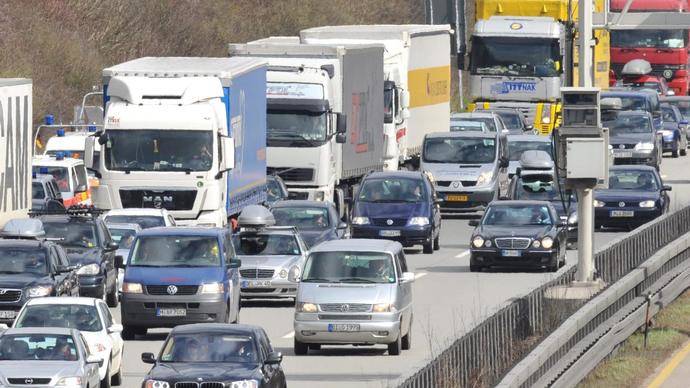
<point>448,301</point>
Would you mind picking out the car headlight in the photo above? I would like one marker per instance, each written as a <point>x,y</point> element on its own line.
<point>487,243</point>
<point>536,244</point>
<point>649,203</point>
<point>485,177</point>
<point>383,308</point>
<point>419,221</point>
<point>598,203</point>
<point>74,381</point>
<point>305,307</point>
<point>644,147</point>
<point>283,273</point>
<point>547,243</point>
<point>90,269</point>
<point>293,274</point>
<point>319,196</point>
<point>212,288</point>
<point>156,384</point>
<point>360,221</point>
<point>38,291</point>
<point>244,384</point>
<point>132,288</point>
<point>478,241</point>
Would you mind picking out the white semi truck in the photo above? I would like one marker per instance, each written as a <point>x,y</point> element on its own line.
<point>417,81</point>
<point>184,134</point>
<point>16,149</point>
<point>325,114</point>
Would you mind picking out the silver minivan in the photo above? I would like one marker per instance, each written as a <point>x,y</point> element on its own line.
<point>356,291</point>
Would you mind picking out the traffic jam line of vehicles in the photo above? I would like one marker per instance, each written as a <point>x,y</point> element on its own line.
<point>273,174</point>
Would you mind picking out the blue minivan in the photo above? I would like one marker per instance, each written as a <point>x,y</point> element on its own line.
<point>179,276</point>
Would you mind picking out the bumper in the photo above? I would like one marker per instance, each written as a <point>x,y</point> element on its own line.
<point>603,217</point>
<point>467,201</point>
<point>91,286</point>
<point>646,159</point>
<point>670,145</point>
<point>267,288</point>
<point>370,332</point>
<point>530,258</point>
<point>408,235</point>
<point>142,310</point>
<point>9,311</point>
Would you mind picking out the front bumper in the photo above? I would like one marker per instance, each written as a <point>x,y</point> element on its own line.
<point>378,329</point>
<point>467,200</point>
<point>141,309</point>
<point>603,216</point>
<point>634,157</point>
<point>267,288</point>
<point>669,145</point>
<point>529,258</point>
<point>91,285</point>
<point>408,235</point>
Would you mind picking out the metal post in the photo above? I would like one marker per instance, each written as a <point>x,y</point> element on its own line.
<point>585,41</point>
<point>585,234</point>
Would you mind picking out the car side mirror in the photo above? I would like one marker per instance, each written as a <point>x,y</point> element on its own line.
<point>666,188</point>
<point>342,225</point>
<point>111,246</point>
<point>94,359</point>
<point>119,261</point>
<point>274,358</point>
<point>407,277</point>
<point>235,263</point>
<point>148,358</point>
<point>80,189</point>
<point>115,328</point>
<point>3,327</point>
<point>340,138</point>
<point>473,222</point>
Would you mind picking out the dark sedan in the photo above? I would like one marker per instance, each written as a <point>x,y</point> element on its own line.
<point>317,221</point>
<point>674,134</point>
<point>633,138</point>
<point>635,196</point>
<point>220,355</point>
<point>518,234</point>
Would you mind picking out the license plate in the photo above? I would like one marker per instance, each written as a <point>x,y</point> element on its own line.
<point>511,253</point>
<point>623,154</point>
<point>351,327</point>
<point>389,233</point>
<point>8,314</point>
<point>457,198</point>
<point>255,283</point>
<point>171,312</point>
<point>622,213</point>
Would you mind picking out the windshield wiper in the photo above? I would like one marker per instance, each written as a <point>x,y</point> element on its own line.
<point>356,280</point>
<point>316,280</point>
<point>297,137</point>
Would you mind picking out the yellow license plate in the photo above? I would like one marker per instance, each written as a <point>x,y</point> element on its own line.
<point>457,198</point>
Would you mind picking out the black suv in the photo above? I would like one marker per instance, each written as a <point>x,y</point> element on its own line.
<point>31,268</point>
<point>89,245</point>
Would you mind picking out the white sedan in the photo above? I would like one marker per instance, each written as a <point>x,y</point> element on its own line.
<point>88,315</point>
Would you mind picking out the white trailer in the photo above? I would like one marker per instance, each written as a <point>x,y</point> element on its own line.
<point>417,81</point>
<point>16,149</point>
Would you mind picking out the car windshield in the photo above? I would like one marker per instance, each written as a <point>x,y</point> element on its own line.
<point>456,125</point>
<point>61,175</point>
<point>515,56</point>
<point>159,150</point>
<point>295,129</point>
<point>628,124</point>
<point>123,237</point>
<point>265,244</point>
<point>72,234</point>
<point>489,122</point>
<point>517,147</point>
<point>673,39</point>
<point>633,180</point>
<point>392,190</point>
<point>302,217</point>
<point>668,115</point>
<point>73,316</point>
<point>209,347</point>
<point>274,191</point>
<point>539,188</point>
<point>23,260</point>
<point>44,347</point>
<point>512,120</point>
<point>144,222</point>
<point>175,251</point>
<point>516,215</point>
<point>349,267</point>
<point>459,150</point>
<point>37,191</point>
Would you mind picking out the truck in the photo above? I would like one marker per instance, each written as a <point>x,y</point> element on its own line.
<point>665,50</point>
<point>16,150</point>
<point>416,81</point>
<point>522,52</point>
<point>183,134</point>
<point>325,114</point>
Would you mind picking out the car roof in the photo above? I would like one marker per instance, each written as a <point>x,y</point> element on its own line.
<point>66,218</point>
<point>51,161</point>
<point>629,93</point>
<point>225,328</point>
<point>396,174</point>
<point>475,114</point>
<point>519,202</point>
<point>516,138</point>
<point>115,225</point>
<point>301,203</point>
<point>466,134</point>
<point>40,330</point>
<point>633,167</point>
<point>182,231</point>
<point>631,113</point>
<point>80,300</point>
<point>359,245</point>
<point>136,212</point>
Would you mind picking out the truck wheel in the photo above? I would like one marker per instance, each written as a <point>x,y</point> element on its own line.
<point>300,348</point>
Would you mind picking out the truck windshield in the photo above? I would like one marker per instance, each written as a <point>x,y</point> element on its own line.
<point>349,267</point>
<point>159,150</point>
<point>23,260</point>
<point>459,150</point>
<point>515,56</point>
<point>672,39</point>
<point>295,128</point>
<point>175,251</point>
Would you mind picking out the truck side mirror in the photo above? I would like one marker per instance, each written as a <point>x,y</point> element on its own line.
<point>341,124</point>
<point>405,99</point>
<point>228,146</point>
<point>340,138</point>
<point>89,146</point>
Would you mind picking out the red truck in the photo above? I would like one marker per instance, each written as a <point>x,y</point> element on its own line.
<point>665,50</point>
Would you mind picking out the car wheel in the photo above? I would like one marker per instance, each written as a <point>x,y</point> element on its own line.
<point>675,153</point>
<point>437,242</point>
<point>105,383</point>
<point>111,299</point>
<point>475,268</point>
<point>117,377</point>
<point>315,346</point>
<point>300,348</point>
<point>237,316</point>
<point>429,247</point>
<point>395,347</point>
<point>406,341</point>
<point>130,332</point>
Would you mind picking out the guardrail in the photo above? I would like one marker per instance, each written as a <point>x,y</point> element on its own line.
<point>487,352</point>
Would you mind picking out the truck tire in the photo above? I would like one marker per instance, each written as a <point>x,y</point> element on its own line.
<point>300,348</point>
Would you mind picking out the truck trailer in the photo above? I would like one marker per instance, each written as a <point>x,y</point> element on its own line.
<point>184,134</point>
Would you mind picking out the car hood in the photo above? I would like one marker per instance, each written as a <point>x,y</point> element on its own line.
<point>83,256</point>
<point>205,371</point>
<point>173,275</point>
<point>345,293</point>
<point>454,171</point>
<point>625,195</point>
<point>22,280</point>
<point>39,368</point>
<point>271,261</point>
<point>631,138</point>
<point>315,236</point>
<point>491,231</point>
<point>391,209</point>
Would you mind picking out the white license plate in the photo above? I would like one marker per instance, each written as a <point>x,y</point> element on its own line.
<point>255,283</point>
<point>622,213</point>
<point>389,233</point>
<point>171,312</point>
<point>350,327</point>
<point>511,253</point>
<point>623,154</point>
<point>8,314</point>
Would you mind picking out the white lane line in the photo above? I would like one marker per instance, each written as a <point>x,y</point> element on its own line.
<point>463,254</point>
<point>420,275</point>
<point>289,335</point>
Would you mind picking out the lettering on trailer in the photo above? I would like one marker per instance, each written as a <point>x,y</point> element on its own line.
<point>507,87</point>
<point>14,166</point>
<point>429,86</point>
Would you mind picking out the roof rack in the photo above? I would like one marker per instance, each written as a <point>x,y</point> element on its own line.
<point>72,211</point>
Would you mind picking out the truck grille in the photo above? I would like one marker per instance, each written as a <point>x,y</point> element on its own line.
<point>513,243</point>
<point>256,273</point>
<point>10,295</point>
<point>384,221</point>
<point>345,307</point>
<point>159,199</point>
<point>163,290</point>
<point>293,174</point>
<point>29,381</point>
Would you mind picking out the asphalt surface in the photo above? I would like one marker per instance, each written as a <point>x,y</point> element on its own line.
<point>448,301</point>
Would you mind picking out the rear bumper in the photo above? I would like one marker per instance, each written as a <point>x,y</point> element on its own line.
<point>141,310</point>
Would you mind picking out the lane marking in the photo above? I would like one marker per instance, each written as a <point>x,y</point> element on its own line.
<point>463,254</point>
<point>420,275</point>
<point>289,335</point>
<point>670,367</point>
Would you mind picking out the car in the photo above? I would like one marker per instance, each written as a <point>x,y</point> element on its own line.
<point>87,241</point>
<point>48,357</point>
<point>682,103</point>
<point>123,235</point>
<point>31,267</point>
<point>637,100</point>
<point>275,189</point>
<point>179,275</point>
<point>492,120</point>
<point>517,144</point>
<point>468,126</point>
<point>468,168</point>
<point>355,291</point>
<point>675,133</point>
<point>513,120</point>
<point>45,193</point>
<point>518,234</point>
<point>635,195</point>
<point>633,138</point>
<point>70,175</point>
<point>145,217</point>
<point>93,320</point>
<point>400,206</point>
<point>272,256</point>
<point>317,221</point>
<point>221,355</point>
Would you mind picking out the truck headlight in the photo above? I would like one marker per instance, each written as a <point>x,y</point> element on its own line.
<point>212,288</point>
<point>598,203</point>
<point>419,221</point>
<point>485,177</point>
<point>383,308</point>
<point>546,114</point>
<point>244,384</point>
<point>360,221</point>
<point>89,269</point>
<point>132,288</point>
<point>649,203</point>
<point>319,196</point>
<point>156,384</point>
<point>547,243</point>
<point>668,73</point>
<point>39,291</point>
<point>646,147</point>
<point>305,307</point>
<point>478,241</point>
<point>72,382</point>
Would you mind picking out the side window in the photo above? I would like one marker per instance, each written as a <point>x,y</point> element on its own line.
<point>402,261</point>
<point>62,257</point>
<point>107,318</point>
<point>229,248</point>
<point>80,173</point>
<point>263,344</point>
<point>87,351</point>
<point>54,260</point>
